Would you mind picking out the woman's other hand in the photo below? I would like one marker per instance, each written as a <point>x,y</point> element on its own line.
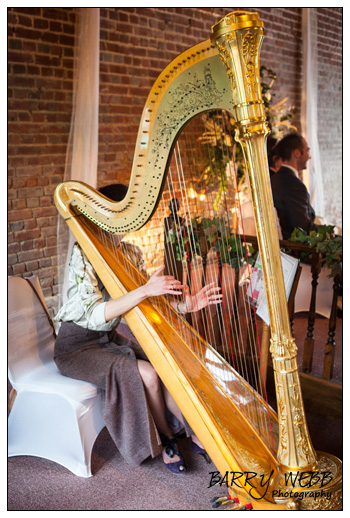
<point>207,296</point>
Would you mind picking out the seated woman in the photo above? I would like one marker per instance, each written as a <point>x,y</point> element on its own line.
<point>135,404</point>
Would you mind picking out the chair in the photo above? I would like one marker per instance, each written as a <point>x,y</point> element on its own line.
<point>53,417</point>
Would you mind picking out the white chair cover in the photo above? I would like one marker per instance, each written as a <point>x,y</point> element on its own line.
<point>53,417</point>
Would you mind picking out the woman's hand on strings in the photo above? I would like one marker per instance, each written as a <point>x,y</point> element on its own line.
<point>207,296</point>
<point>159,284</point>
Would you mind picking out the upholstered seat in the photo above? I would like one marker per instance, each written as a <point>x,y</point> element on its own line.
<point>53,417</point>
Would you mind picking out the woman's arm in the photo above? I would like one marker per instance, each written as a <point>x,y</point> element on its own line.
<point>157,285</point>
<point>163,285</point>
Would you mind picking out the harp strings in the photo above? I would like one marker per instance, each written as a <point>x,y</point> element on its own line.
<point>230,326</point>
<point>209,274</point>
<point>212,271</point>
<point>226,326</point>
<point>253,342</point>
<point>231,334</point>
<point>176,186</point>
<point>253,345</point>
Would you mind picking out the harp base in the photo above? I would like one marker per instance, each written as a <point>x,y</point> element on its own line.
<point>318,490</point>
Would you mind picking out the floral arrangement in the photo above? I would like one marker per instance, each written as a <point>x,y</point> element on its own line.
<point>278,115</point>
<point>218,146</point>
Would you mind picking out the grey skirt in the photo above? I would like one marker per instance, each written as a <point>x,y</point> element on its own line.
<point>109,361</point>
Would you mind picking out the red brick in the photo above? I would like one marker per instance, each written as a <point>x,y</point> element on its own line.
<point>17,269</point>
<point>19,57</point>
<point>44,211</point>
<point>27,234</point>
<point>44,263</point>
<point>19,204</point>
<point>29,255</point>
<point>27,245</point>
<point>12,259</point>
<point>19,215</point>
<point>32,266</point>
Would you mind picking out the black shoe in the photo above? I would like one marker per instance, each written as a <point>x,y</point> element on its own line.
<point>170,451</point>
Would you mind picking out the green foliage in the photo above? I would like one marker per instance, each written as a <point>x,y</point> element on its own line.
<point>270,75</point>
<point>218,144</point>
<point>329,246</point>
<point>217,233</point>
<point>178,236</point>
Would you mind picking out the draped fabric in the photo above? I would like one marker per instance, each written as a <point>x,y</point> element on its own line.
<point>309,117</point>
<point>82,149</point>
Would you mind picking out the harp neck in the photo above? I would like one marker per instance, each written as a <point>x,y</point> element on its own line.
<point>193,83</point>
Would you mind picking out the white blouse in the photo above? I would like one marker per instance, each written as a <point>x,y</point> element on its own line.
<point>87,296</point>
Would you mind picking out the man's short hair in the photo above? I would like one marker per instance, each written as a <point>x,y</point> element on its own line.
<point>288,144</point>
<point>114,191</point>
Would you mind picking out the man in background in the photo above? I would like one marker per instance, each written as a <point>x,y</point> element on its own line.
<point>290,195</point>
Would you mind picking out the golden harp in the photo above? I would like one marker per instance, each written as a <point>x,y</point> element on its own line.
<point>239,430</point>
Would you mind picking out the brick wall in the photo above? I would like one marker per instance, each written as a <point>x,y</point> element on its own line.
<point>136,44</point>
<point>40,50</point>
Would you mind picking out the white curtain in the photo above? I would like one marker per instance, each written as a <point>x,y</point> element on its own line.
<point>309,124</point>
<point>82,149</point>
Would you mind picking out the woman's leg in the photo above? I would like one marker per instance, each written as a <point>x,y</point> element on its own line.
<point>155,398</point>
<point>174,409</point>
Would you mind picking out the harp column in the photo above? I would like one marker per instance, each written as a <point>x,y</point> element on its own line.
<point>238,38</point>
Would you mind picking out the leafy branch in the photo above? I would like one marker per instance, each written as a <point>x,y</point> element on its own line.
<point>327,245</point>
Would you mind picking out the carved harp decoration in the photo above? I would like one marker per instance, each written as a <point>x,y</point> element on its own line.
<point>238,428</point>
